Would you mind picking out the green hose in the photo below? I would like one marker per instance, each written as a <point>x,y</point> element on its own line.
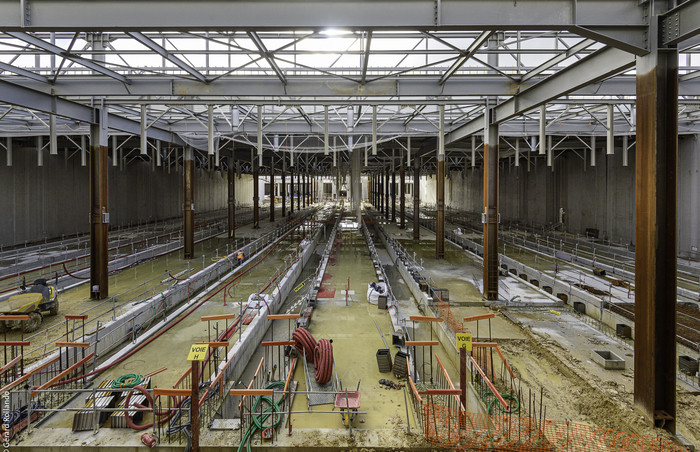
<point>128,381</point>
<point>490,398</point>
<point>259,419</point>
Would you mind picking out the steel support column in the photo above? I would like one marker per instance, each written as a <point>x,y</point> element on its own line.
<point>387,194</point>
<point>231,199</point>
<point>416,198</point>
<point>440,188</point>
<point>256,192</point>
<point>440,202</point>
<point>490,215</point>
<point>284,186</point>
<point>188,197</point>
<point>299,192</point>
<point>272,188</point>
<point>402,194</point>
<point>393,193</point>
<point>291,188</point>
<point>99,208</point>
<point>304,188</point>
<point>655,232</point>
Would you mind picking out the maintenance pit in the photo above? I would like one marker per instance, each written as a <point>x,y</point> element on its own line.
<point>529,349</point>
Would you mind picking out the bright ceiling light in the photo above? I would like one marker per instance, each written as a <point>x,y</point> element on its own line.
<point>335,32</point>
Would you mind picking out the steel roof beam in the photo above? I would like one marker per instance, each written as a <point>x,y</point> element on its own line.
<point>319,91</point>
<point>267,55</point>
<point>51,48</point>
<point>598,66</point>
<point>89,15</point>
<point>680,23</point>
<point>470,52</point>
<point>24,73</point>
<point>365,60</point>
<point>13,94</point>
<point>160,50</point>
<point>558,59</point>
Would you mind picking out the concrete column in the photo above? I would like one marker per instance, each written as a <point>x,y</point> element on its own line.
<point>655,230</point>
<point>416,198</point>
<point>490,215</point>
<point>231,199</point>
<point>256,192</point>
<point>272,187</point>
<point>402,194</point>
<point>440,189</point>
<point>284,186</point>
<point>188,198</point>
<point>99,208</point>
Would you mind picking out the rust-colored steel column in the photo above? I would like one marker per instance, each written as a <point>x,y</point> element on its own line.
<point>272,188</point>
<point>256,193</point>
<point>393,193</point>
<point>490,215</point>
<point>99,207</point>
<point>284,186</point>
<point>440,207</point>
<point>387,194</point>
<point>304,190</point>
<point>440,189</point>
<point>231,199</point>
<point>655,233</point>
<point>291,190</point>
<point>416,198</point>
<point>188,197</point>
<point>299,193</point>
<point>402,194</point>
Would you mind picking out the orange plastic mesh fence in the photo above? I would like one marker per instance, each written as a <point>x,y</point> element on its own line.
<point>445,427</point>
<point>451,321</point>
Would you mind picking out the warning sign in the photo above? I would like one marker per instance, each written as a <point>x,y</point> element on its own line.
<point>199,351</point>
<point>464,340</point>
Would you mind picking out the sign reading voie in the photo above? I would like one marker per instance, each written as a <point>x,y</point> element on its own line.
<point>464,340</point>
<point>198,352</point>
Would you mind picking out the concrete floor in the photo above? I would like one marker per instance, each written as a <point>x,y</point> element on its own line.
<point>548,349</point>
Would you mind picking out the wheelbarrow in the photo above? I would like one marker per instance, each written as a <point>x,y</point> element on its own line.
<point>348,402</point>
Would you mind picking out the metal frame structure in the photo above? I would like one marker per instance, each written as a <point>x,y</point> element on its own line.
<point>369,75</point>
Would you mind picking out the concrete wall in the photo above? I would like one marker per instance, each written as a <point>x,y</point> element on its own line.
<point>51,200</point>
<point>600,197</point>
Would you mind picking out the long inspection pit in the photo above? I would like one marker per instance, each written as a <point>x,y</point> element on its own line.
<point>350,324</point>
<point>170,349</point>
<point>550,349</point>
<point>128,287</point>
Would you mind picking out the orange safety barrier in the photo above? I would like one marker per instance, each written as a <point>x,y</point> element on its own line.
<point>481,432</point>
<point>423,318</point>
<point>73,344</point>
<point>207,318</point>
<point>213,344</point>
<point>14,317</point>
<point>498,350</point>
<point>283,316</point>
<point>476,318</point>
<point>452,322</point>
<point>421,343</point>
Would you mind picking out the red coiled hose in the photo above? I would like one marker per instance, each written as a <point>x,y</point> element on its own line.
<point>304,343</point>
<point>323,366</point>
